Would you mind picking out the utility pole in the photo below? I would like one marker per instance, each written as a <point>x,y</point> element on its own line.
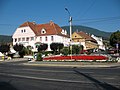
<point>70,21</point>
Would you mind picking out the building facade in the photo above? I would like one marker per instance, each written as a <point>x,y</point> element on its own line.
<point>31,34</point>
<point>99,41</point>
<point>84,39</point>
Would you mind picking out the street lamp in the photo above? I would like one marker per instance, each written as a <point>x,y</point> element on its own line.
<point>70,21</point>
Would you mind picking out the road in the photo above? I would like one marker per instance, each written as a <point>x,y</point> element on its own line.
<point>16,76</point>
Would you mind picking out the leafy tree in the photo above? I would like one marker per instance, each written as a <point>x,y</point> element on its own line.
<point>42,47</point>
<point>76,49</point>
<point>56,46</point>
<point>22,52</point>
<point>39,57</point>
<point>20,49</point>
<point>4,48</point>
<point>115,39</point>
<point>60,46</point>
<point>65,51</point>
<point>29,50</point>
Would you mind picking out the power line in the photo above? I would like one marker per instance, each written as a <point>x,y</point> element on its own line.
<point>88,9</point>
<point>98,19</point>
<point>8,24</point>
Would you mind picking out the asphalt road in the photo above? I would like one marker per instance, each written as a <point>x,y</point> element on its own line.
<point>16,76</point>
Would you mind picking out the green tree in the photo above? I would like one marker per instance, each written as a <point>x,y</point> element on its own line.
<point>39,56</point>
<point>4,48</point>
<point>42,47</point>
<point>60,46</point>
<point>76,49</point>
<point>22,52</point>
<point>115,39</point>
<point>20,49</point>
<point>65,51</point>
<point>56,47</point>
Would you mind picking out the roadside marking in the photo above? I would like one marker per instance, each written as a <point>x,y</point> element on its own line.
<point>49,70</point>
<point>53,71</point>
<point>47,79</point>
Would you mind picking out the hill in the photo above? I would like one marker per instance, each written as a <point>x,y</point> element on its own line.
<point>5,39</point>
<point>89,30</point>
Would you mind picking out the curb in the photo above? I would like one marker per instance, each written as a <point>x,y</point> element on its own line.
<point>68,65</point>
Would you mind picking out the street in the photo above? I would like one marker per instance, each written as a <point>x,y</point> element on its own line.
<point>16,76</point>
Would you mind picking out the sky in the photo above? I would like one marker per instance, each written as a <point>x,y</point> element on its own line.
<point>100,14</point>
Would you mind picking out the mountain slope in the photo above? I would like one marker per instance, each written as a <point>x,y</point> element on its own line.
<point>5,39</point>
<point>89,30</point>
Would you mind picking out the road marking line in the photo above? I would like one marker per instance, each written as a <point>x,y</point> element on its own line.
<point>52,71</point>
<point>47,79</point>
<point>49,70</point>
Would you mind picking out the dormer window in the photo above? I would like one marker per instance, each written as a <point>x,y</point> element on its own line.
<point>23,30</point>
<point>43,31</point>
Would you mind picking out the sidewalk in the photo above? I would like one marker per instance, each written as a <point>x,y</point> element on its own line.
<point>14,60</point>
<point>73,64</point>
<point>64,64</point>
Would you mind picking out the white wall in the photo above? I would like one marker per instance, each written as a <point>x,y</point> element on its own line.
<point>24,32</point>
<point>56,39</point>
<point>99,41</point>
<point>28,33</point>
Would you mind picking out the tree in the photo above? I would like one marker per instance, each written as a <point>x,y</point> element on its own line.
<point>76,49</point>
<point>42,47</point>
<point>60,46</point>
<point>115,39</point>
<point>65,51</point>
<point>39,57</point>
<point>20,49</point>
<point>56,46</point>
<point>4,48</point>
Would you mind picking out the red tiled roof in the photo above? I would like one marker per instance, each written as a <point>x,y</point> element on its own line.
<point>50,28</point>
<point>86,36</point>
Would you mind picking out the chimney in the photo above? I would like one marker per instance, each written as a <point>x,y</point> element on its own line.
<point>77,30</point>
<point>51,22</point>
<point>34,22</point>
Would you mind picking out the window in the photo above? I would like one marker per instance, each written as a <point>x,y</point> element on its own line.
<point>21,31</point>
<point>40,38</point>
<point>23,39</point>
<point>19,39</point>
<point>15,39</point>
<point>24,30</point>
<point>46,38</point>
<point>27,39</point>
<point>32,38</point>
<point>52,38</point>
<point>43,31</point>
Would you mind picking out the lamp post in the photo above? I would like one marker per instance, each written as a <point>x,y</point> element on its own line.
<point>70,21</point>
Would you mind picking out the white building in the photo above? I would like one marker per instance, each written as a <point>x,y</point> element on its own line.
<point>99,41</point>
<point>30,34</point>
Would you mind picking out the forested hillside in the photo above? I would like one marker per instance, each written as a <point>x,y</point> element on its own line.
<point>89,30</point>
<point>5,39</point>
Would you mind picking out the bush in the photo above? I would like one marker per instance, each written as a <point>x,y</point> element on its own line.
<point>39,57</point>
<point>65,51</point>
